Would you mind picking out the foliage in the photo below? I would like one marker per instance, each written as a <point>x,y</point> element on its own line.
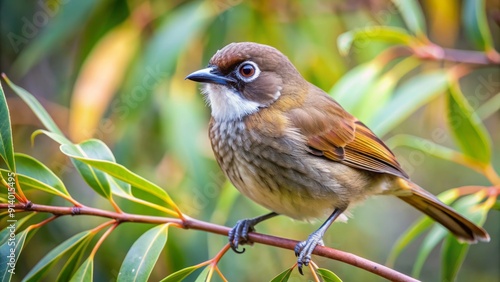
<point>131,118</point>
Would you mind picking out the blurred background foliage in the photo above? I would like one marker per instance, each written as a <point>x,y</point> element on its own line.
<point>115,70</point>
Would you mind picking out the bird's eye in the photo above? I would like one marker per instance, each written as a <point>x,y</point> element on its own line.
<point>248,71</point>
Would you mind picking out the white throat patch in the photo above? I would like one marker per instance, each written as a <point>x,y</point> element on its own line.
<point>226,104</point>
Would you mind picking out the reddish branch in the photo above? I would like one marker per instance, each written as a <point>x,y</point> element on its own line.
<point>191,223</point>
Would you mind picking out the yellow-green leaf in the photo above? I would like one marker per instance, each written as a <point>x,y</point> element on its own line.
<point>142,256</point>
<point>467,128</point>
<point>6,145</point>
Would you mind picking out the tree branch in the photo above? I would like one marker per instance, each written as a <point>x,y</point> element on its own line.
<point>191,223</point>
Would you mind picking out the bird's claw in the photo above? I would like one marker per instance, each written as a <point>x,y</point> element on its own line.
<point>239,234</point>
<point>304,249</point>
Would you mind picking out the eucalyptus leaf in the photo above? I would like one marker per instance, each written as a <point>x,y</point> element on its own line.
<point>34,169</point>
<point>8,259</point>
<point>412,15</point>
<point>283,276</point>
<point>380,33</point>
<point>409,97</point>
<point>328,275</point>
<point>6,145</point>
<point>467,128</point>
<point>37,272</point>
<point>180,275</point>
<point>142,256</point>
<point>476,24</point>
<point>85,272</point>
<point>37,108</point>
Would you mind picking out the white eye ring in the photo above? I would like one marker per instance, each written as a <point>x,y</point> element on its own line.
<point>248,71</point>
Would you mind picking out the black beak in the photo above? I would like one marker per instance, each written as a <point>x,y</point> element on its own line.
<point>210,75</point>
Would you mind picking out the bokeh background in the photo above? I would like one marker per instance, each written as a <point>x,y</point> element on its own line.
<point>114,70</point>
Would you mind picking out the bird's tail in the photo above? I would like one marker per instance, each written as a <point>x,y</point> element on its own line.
<point>427,203</point>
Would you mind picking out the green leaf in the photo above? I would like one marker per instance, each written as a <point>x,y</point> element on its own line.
<point>37,272</point>
<point>8,259</point>
<point>85,272</point>
<point>381,33</point>
<point>203,275</point>
<point>32,168</point>
<point>283,276</point>
<point>37,108</point>
<point>29,182</point>
<point>453,252</point>
<point>351,88</point>
<point>6,145</point>
<point>435,235</point>
<point>412,15</point>
<point>408,97</point>
<point>467,128</point>
<point>5,233</point>
<point>92,149</point>
<point>328,276</point>
<point>476,24</point>
<point>120,172</point>
<point>142,256</point>
<point>489,108</point>
<point>379,93</point>
<point>71,266</point>
<point>180,274</point>
<point>422,144</point>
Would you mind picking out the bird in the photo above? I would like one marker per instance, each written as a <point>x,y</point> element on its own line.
<point>290,147</point>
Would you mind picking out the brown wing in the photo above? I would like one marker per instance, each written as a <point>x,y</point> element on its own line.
<point>333,133</point>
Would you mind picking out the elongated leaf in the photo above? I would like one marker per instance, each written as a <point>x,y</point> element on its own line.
<point>283,276</point>
<point>55,255</point>
<point>381,33</point>
<point>85,272</point>
<point>5,233</point>
<point>351,88</point>
<point>454,252</point>
<point>203,275</point>
<point>377,96</point>
<point>408,97</point>
<point>476,24</point>
<point>468,129</point>
<point>95,149</point>
<point>31,167</point>
<point>142,256</point>
<point>412,15</point>
<point>8,259</point>
<point>435,235</point>
<point>6,145</point>
<point>37,108</point>
<point>328,275</point>
<point>180,274</point>
<point>71,266</point>
<point>489,108</point>
<point>29,182</point>
<point>423,145</point>
<point>122,173</point>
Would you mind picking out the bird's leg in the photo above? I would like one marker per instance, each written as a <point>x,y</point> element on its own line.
<point>239,233</point>
<point>304,249</point>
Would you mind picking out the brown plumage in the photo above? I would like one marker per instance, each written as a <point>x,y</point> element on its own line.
<point>287,145</point>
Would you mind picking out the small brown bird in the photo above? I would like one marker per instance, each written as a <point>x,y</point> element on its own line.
<point>288,146</point>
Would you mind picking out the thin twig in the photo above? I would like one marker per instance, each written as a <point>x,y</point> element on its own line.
<point>191,223</point>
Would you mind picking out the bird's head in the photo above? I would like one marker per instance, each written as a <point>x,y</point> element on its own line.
<point>243,78</point>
